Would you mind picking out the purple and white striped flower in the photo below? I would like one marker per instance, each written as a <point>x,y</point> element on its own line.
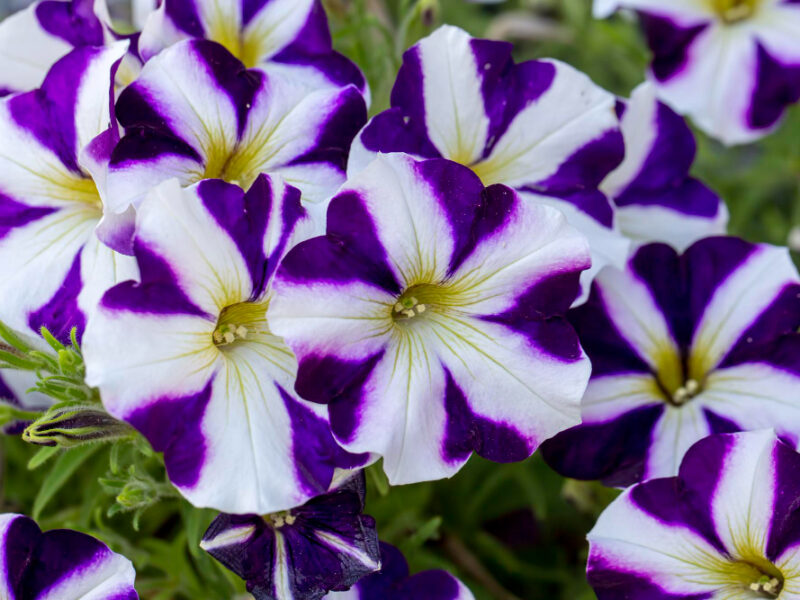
<point>53,267</point>
<point>34,39</point>
<point>726,527</point>
<point>540,127</point>
<point>187,356</point>
<point>279,35</point>
<point>731,65</point>
<point>59,564</point>
<point>196,113</point>
<point>393,582</point>
<point>656,198</point>
<point>683,346</point>
<point>301,554</point>
<point>430,318</point>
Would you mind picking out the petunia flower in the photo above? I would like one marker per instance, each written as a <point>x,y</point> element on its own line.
<point>34,39</point>
<point>53,267</point>
<point>393,582</point>
<point>731,65</point>
<point>60,563</point>
<point>683,346</point>
<point>656,198</point>
<point>196,113</point>
<point>326,544</point>
<point>540,127</point>
<point>430,318</point>
<point>187,356</point>
<point>279,35</point>
<point>725,527</point>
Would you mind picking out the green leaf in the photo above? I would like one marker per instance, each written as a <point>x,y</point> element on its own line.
<point>51,340</point>
<point>42,456</point>
<point>12,339</point>
<point>60,472</point>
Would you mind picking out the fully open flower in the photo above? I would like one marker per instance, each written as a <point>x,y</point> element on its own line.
<point>682,347</point>
<point>52,265</point>
<point>393,582</point>
<point>656,199</point>
<point>196,113</point>
<point>61,564</point>
<point>726,527</point>
<point>430,318</point>
<point>276,34</point>
<point>326,544</point>
<point>732,65</point>
<point>187,356</point>
<point>540,127</point>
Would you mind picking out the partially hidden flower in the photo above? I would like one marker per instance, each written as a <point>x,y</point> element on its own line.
<point>683,346</point>
<point>394,582</point>
<point>656,198</point>
<point>53,267</point>
<point>726,526</point>
<point>34,39</point>
<point>540,127</point>
<point>62,564</point>
<point>187,356</point>
<point>196,113</point>
<point>326,544</point>
<point>430,318</point>
<point>279,35</point>
<point>731,65</point>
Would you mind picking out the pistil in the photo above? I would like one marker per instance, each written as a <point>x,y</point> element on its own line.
<point>767,587</point>
<point>408,308</point>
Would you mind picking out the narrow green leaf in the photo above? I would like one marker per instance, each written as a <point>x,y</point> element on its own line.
<point>59,474</point>
<point>12,339</point>
<point>19,362</point>
<point>44,454</point>
<point>51,340</point>
<point>429,530</point>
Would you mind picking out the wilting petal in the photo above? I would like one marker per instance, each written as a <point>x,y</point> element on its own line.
<point>656,198</point>
<point>431,293</point>
<point>326,544</point>
<point>32,40</point>
<point>393,582</point>
<point>59,564</point>
<point>214,392</point>
<point>196,112</point>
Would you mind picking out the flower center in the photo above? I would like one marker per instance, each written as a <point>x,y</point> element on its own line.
<point>733,11</point>
<point>408,307</point>
<point>758,576</point>
<point>238,321</point>
<point>279,519</point>
<point>686,392</point>
<point>421,299</point>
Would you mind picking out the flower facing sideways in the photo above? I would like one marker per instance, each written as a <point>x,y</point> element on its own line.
<point>540,127</point>
<point>430,318</point>
<point>59,564</point>
<point>726,527</point>
<point>188,358</point>
<point>731,65</point>
<point>656,198</point>
<point>683,346</point>
<point>300,554</point>
<point>53,267</point>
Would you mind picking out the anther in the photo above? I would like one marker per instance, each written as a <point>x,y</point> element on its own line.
<point>408,308</point>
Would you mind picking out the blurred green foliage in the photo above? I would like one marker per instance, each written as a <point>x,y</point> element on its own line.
<point>509,531</point>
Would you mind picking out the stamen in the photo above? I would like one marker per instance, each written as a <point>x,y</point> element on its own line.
<point>282,518</point>
<point>229,333</point>
<point>686,392</point>
<point>408,308</point>
<point>768,587</point>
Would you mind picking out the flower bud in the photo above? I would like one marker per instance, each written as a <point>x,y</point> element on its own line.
<point>69,426</point>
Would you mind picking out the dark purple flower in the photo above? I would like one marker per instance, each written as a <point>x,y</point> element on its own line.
<point>300,554</point>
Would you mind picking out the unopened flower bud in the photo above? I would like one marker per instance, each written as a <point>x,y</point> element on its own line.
<point>71,426</point>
